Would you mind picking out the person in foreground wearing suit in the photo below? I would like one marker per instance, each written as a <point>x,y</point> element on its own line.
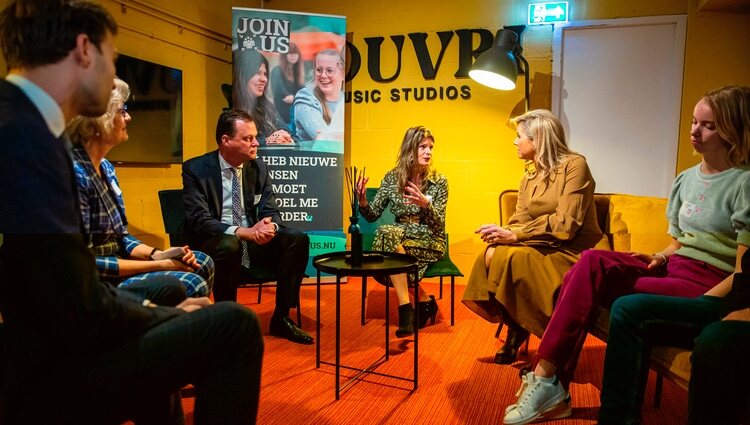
<point>231,215</point>
<point>76,351</point>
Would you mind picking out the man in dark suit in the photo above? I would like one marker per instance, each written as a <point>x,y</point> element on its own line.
<point>76,350</point>
<point>231,214</point>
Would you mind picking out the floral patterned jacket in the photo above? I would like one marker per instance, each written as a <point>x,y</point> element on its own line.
<point>423,227</point>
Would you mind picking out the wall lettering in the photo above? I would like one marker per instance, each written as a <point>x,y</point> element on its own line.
<point>377,48</point>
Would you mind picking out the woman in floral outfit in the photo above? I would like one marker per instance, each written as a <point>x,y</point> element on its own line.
<point>417,196</point>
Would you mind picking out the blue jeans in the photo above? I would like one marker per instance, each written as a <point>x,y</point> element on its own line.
<point>637,323</point>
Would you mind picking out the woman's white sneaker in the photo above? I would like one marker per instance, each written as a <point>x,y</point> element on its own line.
<point>538,398</point>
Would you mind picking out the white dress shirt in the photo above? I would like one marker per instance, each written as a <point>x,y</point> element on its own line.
<point>226,196</point>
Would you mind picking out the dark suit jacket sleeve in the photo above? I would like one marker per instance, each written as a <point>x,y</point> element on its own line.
<point>63,303</point>
<point>52,299</point>
<point>199,191</point>
<point>35,174</point>
<point>267,206</point>
<point>739,296</point>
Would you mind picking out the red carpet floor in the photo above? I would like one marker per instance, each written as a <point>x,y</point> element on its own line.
<point>458,382</point>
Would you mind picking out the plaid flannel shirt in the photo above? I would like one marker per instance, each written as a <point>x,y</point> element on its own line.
<point>103,213</point>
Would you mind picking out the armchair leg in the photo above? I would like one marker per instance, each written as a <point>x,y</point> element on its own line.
<point>657,389</point>
<point>364,298</point>
<point>260,290</point>
<point>526,346</point>
<point>453,295</point>
<point>440,294</point>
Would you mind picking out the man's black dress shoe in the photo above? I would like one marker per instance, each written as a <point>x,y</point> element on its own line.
<point>286,328</point>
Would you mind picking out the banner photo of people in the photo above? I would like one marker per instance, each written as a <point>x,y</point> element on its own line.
<point>288,73</point>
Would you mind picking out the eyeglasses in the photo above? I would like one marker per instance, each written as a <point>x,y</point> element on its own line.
<point>329,72</point>
<point>123,111</point>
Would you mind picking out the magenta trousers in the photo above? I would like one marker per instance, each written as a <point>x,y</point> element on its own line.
<point>597,279</point>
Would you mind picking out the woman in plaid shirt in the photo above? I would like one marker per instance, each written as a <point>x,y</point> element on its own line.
<point>121,258</point>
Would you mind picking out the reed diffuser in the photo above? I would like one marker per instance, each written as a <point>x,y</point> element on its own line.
<point>356,236</point>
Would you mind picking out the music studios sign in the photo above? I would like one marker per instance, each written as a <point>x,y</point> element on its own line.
<point>368,59</point>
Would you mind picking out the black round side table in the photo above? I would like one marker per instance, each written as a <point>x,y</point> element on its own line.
<point>392,263</point>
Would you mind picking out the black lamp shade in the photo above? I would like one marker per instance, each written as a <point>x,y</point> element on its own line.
<point>496,67</point>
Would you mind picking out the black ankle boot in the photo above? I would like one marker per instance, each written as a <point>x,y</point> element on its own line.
<point>405,320</point>
<point>516,337</point>
<point>427,311</point>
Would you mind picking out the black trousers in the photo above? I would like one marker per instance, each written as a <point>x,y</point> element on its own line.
<point>76,352</point>
<point>286,255</point>
<point>719,381</point>
<point>218,349</point>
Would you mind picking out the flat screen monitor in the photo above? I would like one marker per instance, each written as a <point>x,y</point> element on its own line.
<point>155,108</point>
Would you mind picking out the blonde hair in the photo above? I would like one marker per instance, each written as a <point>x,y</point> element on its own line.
<point>406,161</point>
<point>81,129</point>
<point>545,130</point>
<point>731,108</point>
<point>319,93</point>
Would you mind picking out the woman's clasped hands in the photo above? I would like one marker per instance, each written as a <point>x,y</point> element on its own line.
<point>185,262</point>
<point>494,234</point>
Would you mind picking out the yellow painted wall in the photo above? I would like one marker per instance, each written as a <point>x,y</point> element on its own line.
<point>203,101</point>
<point>717,53</point>
<point>474,145</point>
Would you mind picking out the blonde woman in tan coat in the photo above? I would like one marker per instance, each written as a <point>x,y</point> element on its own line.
<point>517,277</point>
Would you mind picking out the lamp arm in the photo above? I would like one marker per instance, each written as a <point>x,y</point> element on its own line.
<point>526,78</point>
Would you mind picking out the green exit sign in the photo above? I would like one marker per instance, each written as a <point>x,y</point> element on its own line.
<point>548,13</point>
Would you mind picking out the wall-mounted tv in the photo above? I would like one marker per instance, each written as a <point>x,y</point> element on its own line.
<point>155,106</point>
